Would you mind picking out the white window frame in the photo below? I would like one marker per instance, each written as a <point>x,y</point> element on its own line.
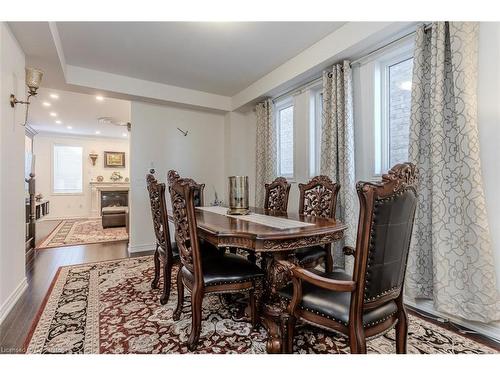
<point>278,106</point>
<point>371,118</point>
<point>382,148</point>
<point>315,128</point>
<point>53,192</point>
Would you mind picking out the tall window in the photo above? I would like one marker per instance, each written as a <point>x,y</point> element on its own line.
<point>284,125</point>
<point>398,108</point>
<point>315,120</point>
<point>393,126</point>
<point>68,170</point>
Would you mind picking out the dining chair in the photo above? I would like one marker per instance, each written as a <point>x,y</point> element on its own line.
<point>165,251</point>
<point>199,200</point>
<point>276,197</point>
<point>227,273</point>
<point>317,198</point>
<point>371,301</point>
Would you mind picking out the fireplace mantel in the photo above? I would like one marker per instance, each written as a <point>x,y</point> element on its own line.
<point>97,187</point>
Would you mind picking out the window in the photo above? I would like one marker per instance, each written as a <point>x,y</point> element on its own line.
<point>284,125</point>
<point>68,170</point>
<point>315,119</point>
<point>395,102</point>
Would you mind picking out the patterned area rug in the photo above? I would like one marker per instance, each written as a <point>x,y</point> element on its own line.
<point>84,231</point>
<point>109,307</point>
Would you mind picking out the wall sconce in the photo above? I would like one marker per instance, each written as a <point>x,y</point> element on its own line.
<point>33,79</point>
<point>93,156</point>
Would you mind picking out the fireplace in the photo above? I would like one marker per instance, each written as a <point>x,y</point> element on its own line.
<point>105,194</point>
<point>118,198</point>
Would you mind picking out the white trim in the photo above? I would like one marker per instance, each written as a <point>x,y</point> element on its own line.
<point>50,134</point>
<point>57,43</point>
<point>491,330</point>
<point>50,218</point>
<point>12,299</point>
<point>280,105</point>
<point>315,129</point>
<point>370,124</point>
<point>401,52</point>
<point>138,89</point>
<point>139,248</point>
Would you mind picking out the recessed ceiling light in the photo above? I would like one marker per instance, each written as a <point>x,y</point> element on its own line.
<point>53,114</point>
<point>124,134</point>
<point>54,96</point>
<point>58,122</point>
<point>100,98</point>
<point>46,104</point>
<point>69,127</point>
<point>98,132</point>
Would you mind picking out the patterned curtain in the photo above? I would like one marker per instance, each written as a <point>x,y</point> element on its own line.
<point>266,150</point>
<point>451,260</point>
<point>337,150</point>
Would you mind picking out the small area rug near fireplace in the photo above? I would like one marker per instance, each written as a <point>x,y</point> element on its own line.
<point>82,231</point>
<point>109,307</point>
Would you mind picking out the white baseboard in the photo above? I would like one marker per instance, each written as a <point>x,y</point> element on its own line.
<point>139,248</point>
<point>491,330</point>
<point>12,299</point>
<point>50,218</point>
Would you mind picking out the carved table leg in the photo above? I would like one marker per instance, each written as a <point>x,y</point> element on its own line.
<point>274,314</point>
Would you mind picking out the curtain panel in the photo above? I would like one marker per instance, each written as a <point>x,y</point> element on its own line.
<point>450,260</point>
<point>337,150</point>
<point>266,150</point>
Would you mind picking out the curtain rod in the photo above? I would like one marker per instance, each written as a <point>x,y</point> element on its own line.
<point>317,79</point>
<point>375,51</point>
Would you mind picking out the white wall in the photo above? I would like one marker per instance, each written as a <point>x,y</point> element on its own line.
<point>489,126</point>
<point>12,203</point>
<point>240,137</point>
<point>74,205</point>
<point>156,142</point>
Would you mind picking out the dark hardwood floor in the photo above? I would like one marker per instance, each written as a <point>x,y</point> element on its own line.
<point>43,229</point>
<point>16,325</point>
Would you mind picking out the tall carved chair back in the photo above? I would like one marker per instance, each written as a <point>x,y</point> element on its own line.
<point>318,197</point>
<point>387,212</point>
<point>375,304</point>
<point>276,198</point>
<point>159,212</point>
<point>182,197</point>
<point>199,200</point>
<point>165,251</point>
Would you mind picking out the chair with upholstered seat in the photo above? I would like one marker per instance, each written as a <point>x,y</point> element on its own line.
<point>227,273</point>
<point>317,198</point>
<point>166,252</point>
<point>371,301</point>
<point>276,197</point>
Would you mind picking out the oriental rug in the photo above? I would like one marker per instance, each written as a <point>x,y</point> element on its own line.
<point>82,231</point>
<point>109,307</point>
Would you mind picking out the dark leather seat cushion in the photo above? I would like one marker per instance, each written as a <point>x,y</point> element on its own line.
<point>309,254</point>
<point>335,305</point>
<point>226,269</point>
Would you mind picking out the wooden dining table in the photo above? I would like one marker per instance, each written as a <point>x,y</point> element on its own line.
<point>273,243</point>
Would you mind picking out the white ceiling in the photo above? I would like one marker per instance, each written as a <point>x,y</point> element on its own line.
<point>80,112</point>
<point>216,57</point>
<point>221,66</point>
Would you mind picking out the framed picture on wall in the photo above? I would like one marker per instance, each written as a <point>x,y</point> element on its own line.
<point>113,159</point>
